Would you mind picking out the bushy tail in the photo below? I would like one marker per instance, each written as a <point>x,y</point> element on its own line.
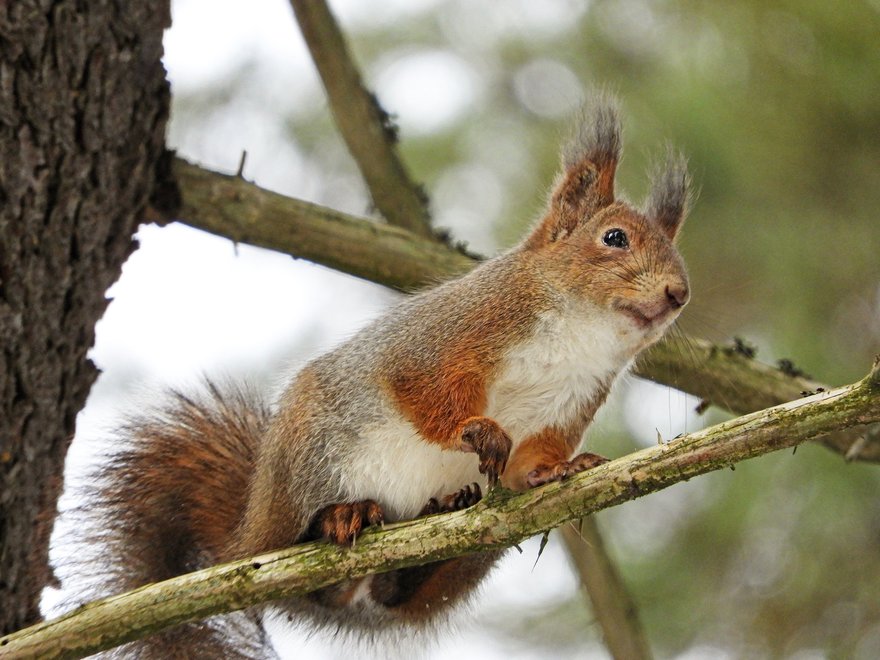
<point>168,502</point>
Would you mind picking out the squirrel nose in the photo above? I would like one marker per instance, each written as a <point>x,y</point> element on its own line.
<point>677,294</point>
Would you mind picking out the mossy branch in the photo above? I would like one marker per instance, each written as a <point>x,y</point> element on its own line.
<point>366,128</point>
<point>502,519</point>
<point>232,207</point>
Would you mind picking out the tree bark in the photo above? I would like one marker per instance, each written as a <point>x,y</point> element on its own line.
<point>83,106</point>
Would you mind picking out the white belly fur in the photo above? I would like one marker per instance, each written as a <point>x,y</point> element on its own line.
<point>545,380</point>
<point>401,471</point>
<point>542,382</point>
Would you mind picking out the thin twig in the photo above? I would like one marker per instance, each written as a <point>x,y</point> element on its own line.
<point>241,162</point>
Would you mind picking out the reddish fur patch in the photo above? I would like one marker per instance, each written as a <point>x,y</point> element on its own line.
<point>582,192</point>
<point>440,401</point>
<point>437,391</point>
<point>605,185</point>
<point>548,447</point>
<point>441,394</point>
<point>174,494</point>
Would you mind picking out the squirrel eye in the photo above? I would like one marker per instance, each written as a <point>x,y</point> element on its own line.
<point>615,238</point>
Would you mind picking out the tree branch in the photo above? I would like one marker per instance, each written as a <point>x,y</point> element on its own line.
<point>740,384</point>
<point>502,519</point>
<point>364,125</point>
<point>612,604</point>
<point>232,207</point>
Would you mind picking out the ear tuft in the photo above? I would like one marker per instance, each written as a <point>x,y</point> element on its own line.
<point>670,197</point>
<point>589,162</point>
<point>596,135</point>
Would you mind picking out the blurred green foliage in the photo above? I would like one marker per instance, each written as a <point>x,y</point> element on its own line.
<point>777,104</point>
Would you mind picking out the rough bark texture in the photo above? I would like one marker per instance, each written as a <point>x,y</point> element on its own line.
<point>83,104</point>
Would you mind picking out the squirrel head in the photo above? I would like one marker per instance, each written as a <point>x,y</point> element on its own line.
<point>603,251</point>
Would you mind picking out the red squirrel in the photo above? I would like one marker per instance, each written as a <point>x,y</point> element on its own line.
<point>492,376</point>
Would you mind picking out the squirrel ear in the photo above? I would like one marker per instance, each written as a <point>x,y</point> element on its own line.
<point>589,162</point>
<point>669,200</point>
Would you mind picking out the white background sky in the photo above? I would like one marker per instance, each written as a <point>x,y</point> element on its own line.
<point>190,304</point>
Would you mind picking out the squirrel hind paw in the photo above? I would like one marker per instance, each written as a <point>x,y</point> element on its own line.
<point>559,471</point>
<point>341,523</point>
<point>460,499</point>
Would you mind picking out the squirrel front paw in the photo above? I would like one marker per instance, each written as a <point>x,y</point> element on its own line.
<point>559,471</point>
<point>491,444</point>
<point>460,499</point>
<point>341,523</point>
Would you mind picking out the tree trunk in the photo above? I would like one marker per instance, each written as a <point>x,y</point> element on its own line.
<point>83,105</point>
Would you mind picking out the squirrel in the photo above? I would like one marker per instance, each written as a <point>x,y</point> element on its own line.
<point>490,377</point>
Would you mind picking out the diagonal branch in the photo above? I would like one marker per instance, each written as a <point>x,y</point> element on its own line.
<point>502,519</point>
<point>364,125</point>
<point>612,604</point>
<point>232,207</point>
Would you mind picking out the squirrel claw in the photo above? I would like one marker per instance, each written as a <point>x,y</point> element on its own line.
<point>460,499</point>
<point>547,473</point>
<point>341,523</point>
<point>488,440</point>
